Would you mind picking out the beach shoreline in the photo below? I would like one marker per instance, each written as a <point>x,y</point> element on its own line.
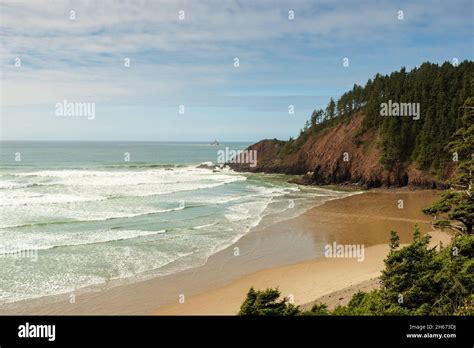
<point>266,257</point>
<point>328,281</point>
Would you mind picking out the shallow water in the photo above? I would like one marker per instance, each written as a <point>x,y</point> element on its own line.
<point>75,214</point>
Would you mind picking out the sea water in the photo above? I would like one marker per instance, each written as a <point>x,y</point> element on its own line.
<point>76,214</point>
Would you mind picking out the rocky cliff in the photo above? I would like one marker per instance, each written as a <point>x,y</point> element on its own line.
<point>336,155</point>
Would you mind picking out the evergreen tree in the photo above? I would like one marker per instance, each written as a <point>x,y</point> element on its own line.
<point>457,204</point>
<point>330,111</point>
<point>317,117</point>
<point>266,302</point>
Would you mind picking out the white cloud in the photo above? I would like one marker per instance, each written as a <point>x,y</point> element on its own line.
<point>83,58</point>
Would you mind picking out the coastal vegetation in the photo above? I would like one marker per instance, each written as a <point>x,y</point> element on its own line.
<point>457,204</point>
<point>440,93</point>
<point>396,130</point>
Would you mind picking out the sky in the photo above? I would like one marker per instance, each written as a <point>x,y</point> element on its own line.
<point>184,53</point>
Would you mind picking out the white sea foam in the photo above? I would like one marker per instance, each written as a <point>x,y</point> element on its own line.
<point>204,226</point>
<point>15,216</point>
<point>73,256</point>
<point>7,184</point>
<point>13,241</point>
<point>85,185</point>
<point>67,272</point>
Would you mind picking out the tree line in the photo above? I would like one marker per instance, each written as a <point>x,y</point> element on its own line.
<point>440,91</point>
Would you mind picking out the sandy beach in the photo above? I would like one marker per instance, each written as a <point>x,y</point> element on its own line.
<point>328,280</point>
<point>331,281</point>
<point>289,255</point>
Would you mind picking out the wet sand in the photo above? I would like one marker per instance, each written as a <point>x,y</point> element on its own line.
<point>288,254</point>
<point>362,219</point>
<point>332,281</point>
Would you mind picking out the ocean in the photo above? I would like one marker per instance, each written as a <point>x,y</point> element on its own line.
<point>77,214</point>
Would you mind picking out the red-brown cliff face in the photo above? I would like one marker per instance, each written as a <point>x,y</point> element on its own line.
<point>336,156</point>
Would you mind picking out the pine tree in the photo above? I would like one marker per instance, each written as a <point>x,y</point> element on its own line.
<point>330,112</point>
<point>457,204</point>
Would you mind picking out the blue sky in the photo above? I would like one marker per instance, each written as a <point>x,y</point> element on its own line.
<point>190,62</point>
